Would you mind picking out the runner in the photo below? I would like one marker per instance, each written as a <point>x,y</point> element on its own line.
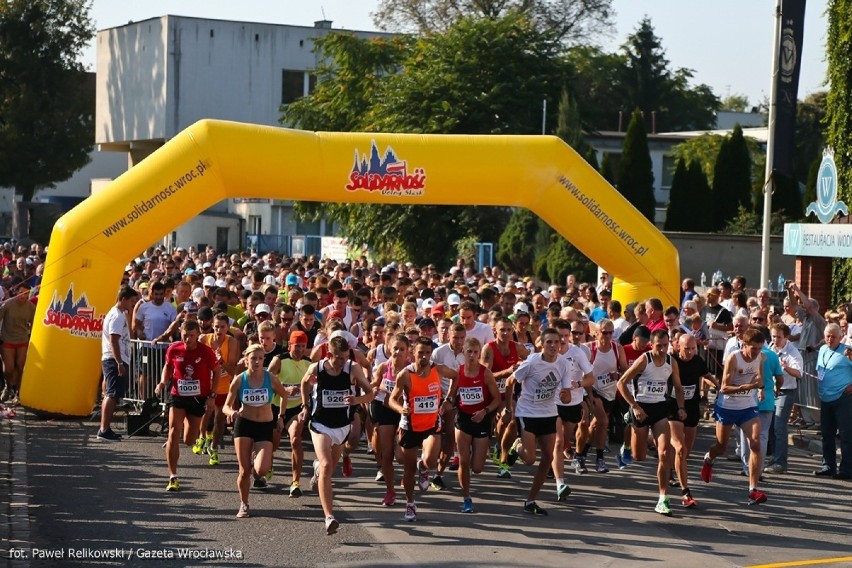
<point>650,409</point>
<point>543,377</point>
<point>16,322</point>
<point>385,419</point>
<point>253,421</point>
<point>448,358</point>
<point>633,351</point>
<point>416,397</point>
<point>189,371</point>
<point>226,348</point>
<point>693,374</point>
<point>290,367</point>
<point>328,391</point>
<point>737,405</point>
<point>478,399</point>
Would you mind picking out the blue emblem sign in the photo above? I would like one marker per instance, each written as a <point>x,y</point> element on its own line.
<point>826,205</point>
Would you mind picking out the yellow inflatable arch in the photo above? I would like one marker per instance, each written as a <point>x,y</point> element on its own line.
<point>215,160</point>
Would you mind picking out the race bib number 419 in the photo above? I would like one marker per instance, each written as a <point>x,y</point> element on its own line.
<point>425,404</point>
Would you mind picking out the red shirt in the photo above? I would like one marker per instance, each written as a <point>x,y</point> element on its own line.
<point>473,395</point>
<point>657,325</point>
<point>192,371</point>
<point>632,354</point>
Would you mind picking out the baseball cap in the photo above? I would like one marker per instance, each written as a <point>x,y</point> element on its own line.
<point>298,337</point>
<point>426,322</point>
<point>428,304</point>
<point>221,284</point>
<point>262,309</point>
<point>270,279</point>
<point>712,292</point>
<point>291,280</point>
<point>453,300</point>
<point>209,281</point>
<point>521,308</point>
<point>190,307</point>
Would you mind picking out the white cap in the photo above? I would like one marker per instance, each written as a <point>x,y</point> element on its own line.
<point>198,293</point>
<point>209,281</point>
<point>521,308</point>
<point>262,309</point>
<point>246,283</point>
<point>206,265</point>
<point>453,300</point>
<point>269,279</point>
<point>428,304</point>
<point>221,284</point>
<point>350,339</point>
<point>519,284</point>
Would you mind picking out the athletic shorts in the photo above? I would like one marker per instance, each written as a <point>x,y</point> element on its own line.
<point>608,405</point>
<point>116,385</point>
<point>655,411</point>
<point>465,423</point>
<point>337,435</point>
<point>572,414</point>
<point>693,412</point>
<point>735,417</point>
<point>193,405</point>
<point>382,415</point>
<point>536,426</point>
<point>289,413</point>
<point>15,346</point>
<point>410,439</point>
<point>257,431</point>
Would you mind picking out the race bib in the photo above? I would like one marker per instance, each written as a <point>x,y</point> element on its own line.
<point>501,385</point>
<point>742,393</point>
<point>255,397</point>
<point>471,395</point>
<point>389,385</point>
<point>425,404</point>
<point>543,394</point>
<point>655,388</point>
<point>334,398</point>
<point>688,392</point>
<point>188,387</point>
<point>605,380</point>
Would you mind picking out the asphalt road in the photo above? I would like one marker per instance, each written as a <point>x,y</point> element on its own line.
<point>93,499</point>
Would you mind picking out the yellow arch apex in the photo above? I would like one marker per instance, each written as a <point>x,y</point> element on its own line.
<point>214,160</point>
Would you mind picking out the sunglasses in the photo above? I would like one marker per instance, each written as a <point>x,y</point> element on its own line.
<point>758,319</point>
<point>576,333</point>
<point>606,333</point>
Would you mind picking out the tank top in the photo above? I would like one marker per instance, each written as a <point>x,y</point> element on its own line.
<point>473,395</point>
<point>389,382</point>
<point>251,396</point>
<point>328,405</point>
<point>651,385</point>
<point>502,362</point>
<point>381,355</point>
<point>604,365</point>
<point>423,400</point>
<point>222,383</point>
<point>745,373</point>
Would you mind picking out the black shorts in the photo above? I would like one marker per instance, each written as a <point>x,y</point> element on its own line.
<point>481,429</point>
<point>536,426</point>
<point>289,413</point>
<point>608,405</point>
<point>382,415</point>
<point>693,412</point>
<point>116,385</point>
<point>257,431</point>
<point>572,414</point>
<point>655,412</point>
<point>410,439</point>
<point>193,405</point>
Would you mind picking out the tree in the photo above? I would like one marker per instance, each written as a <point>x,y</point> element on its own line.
<point>570,21</point>
<point>593,80</point>
<point>702,199</point>
<point>732,179</point>
<point>516,246</point>
<point>736,102</point>
<point>607,171</point>
<point>810,133</point>
<point>635,178</point>
<point>568,126</point>
<point>680,200</point>
<point>839,121</point>
<point>484,76</point>
<point>46,98</point>
<point>563,259</point>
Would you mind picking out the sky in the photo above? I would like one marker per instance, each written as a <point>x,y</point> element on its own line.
<point>727,43</point>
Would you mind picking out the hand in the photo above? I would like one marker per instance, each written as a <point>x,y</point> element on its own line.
<point>122,370</point>
<point>348,399</point>
<point>294,391</point>
<point>638,413</point>
<point>158,389</point>
<point>681,413</point>
<point>303,415</point>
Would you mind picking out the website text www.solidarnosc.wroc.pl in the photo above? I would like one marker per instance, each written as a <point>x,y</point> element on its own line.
<point>146,205</point>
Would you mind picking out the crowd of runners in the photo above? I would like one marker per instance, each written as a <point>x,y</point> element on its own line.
<point>441,371</point>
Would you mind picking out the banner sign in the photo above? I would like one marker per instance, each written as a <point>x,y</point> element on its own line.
<point>810,239</point>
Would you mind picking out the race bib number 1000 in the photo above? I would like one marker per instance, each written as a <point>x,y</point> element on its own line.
<point>189,387</point>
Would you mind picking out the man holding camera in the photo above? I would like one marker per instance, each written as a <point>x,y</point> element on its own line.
<point>813,327</point>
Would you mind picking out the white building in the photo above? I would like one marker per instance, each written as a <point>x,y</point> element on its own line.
<point>158,76</point>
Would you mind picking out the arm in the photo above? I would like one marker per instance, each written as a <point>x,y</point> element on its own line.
<point>360,379</point>
<point>634,371</point>
<point>620,356</point>
<point>116,352</point>
<point>166,377</point>
<point>281,391</point>
<point>168,334</point>
<point>275,366</point>
<point>230,409</point>
<point>306,391</point>
<point>395,402</point>
<point>678,388</point>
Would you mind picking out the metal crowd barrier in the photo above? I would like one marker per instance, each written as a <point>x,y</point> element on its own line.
<point>808,388</point>
<point>146,367</point>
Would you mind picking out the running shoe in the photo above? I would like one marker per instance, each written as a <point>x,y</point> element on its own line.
<point>579,465</point>
<point>173,485</point>
<point>438,483</point>
<point>454,463</point>
<point>495,454</point>
<point>347,466</point>
<point>260,482</point>
<point>707,471</point>
<point>467,505</point>
<point>600,466</point>
<point>533,509</point>
<point>626,455</point>
<point>824,472</point>
<point>198,447</point>
<point>214,457</point>
<point>504,471</point>
<point>390,499</point>
<point>411,512</point>
<point>562,492</point>
<point>663,507</point>
<point>243,512</point>
<point>756,497</point>
<point>315,477</point>
<point>550,474</point>
<point>422,477</point>
<point>688,501</point>
<point>109,435</point>
<point>331,525</point>
<point>775,468</point>
<point>674,480</point>
<point>295,490</point>
<point>380,476</point>
<point>270,473</point>
<point>208,443</point>
<point>619,461</point>
<point>512,456</point>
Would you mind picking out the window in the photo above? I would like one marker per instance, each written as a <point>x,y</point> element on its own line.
<point>254,224</point>
<point>222,238</point>
<point>669,166</point>
<point>293,84</point>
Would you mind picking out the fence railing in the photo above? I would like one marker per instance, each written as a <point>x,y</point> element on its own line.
<point>289,245</point>
<point>146,367</point>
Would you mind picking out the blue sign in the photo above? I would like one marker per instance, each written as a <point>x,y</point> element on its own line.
<point>826,205</point>
<point>809,239</point>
